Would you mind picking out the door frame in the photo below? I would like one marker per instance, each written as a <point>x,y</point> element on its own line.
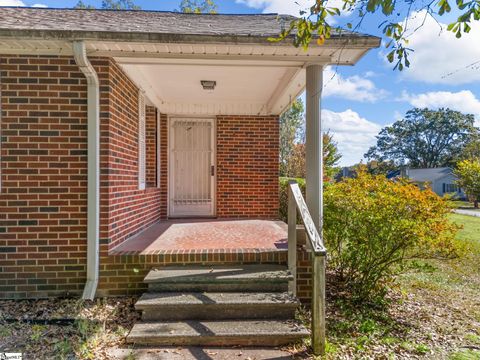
<point>170,121</point>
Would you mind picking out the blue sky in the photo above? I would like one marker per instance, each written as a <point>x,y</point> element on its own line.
<point>359,100</point>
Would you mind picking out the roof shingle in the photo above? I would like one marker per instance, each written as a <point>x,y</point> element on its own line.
<point>147,22</point>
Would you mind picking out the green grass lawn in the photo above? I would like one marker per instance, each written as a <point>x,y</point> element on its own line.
<point>471,228</point>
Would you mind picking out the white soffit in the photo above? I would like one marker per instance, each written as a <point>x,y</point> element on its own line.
<point>242,87</point>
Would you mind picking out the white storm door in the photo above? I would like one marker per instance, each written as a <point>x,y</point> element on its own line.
<point>192,167</point>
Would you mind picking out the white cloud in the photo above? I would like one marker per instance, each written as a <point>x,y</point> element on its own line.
<point>18,3</point>
<point>464,101</point>
<point>11,3</point>
<point>353,134</point>
<point>439,57</point>
<point>279,6</point>
<point>357,88</point>
<point>290,7</point>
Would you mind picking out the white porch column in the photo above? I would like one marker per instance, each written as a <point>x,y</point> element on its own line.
<point>314,158</point>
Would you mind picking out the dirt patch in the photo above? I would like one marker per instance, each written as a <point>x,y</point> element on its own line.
<point>87,328</point>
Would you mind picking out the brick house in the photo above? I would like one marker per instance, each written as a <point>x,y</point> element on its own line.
<point>117,126</point>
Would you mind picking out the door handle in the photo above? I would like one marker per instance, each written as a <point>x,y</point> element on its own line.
<point>212,170</point>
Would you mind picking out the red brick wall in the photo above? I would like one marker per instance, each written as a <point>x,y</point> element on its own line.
<point>44,176</point>
<point>129,209</point>
<point>247,166</point>
<point>43,203</point>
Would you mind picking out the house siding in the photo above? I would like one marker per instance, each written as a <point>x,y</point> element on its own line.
<point>43,199</point>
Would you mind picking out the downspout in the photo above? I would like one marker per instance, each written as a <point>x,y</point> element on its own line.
<point>93,197</point>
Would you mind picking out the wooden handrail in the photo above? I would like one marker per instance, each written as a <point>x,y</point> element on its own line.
<point>296,201</point>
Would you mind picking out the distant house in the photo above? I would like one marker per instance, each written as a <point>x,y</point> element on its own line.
<point>345,172</point>
<point>441,180</point>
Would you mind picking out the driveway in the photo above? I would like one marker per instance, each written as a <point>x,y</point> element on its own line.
<point>467,212</point>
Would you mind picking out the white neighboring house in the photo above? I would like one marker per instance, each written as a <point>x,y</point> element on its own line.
<point>441,180</point>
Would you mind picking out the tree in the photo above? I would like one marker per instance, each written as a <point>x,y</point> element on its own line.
<point>391,18</point>
<point>424,138</point>
<point>375,167</point>
<point>111,5</point>
<point>291,123</point>
<point>198,6</point>
<point>468,173</point>
<point>82,5</point>
<point>331,155</point>
<point>296,165</point>
<point>471,150</point>
<point>292,145</point>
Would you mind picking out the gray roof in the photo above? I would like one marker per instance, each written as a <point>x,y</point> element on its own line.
<point>14,20</point>
<point>423,175</point>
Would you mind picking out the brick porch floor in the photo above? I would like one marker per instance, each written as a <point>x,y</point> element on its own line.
<point>207,236</point>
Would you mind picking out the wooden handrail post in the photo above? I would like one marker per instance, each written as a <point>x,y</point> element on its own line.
<point>318,305</point>
<point>319,253</point>
<point>292,241</point>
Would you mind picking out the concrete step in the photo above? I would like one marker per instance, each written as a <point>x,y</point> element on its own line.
<point>217,333</point>
<point>234,278</point>
<point>216,306</point>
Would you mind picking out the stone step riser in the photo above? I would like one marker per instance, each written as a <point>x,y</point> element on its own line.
<point>215,340</point>
<point>218,312</point>
<point>218,287</point>
<point>217,333</point>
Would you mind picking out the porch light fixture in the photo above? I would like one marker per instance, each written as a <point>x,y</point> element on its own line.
<point>208,84</point>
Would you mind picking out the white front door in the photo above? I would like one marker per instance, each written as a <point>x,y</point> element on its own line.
<point>192,167</point>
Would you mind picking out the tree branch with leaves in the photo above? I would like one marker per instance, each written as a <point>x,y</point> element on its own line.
<point>198,7</point>
<point>313,23</point>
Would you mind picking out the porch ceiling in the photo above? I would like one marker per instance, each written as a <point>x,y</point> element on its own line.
<point>242,87</point>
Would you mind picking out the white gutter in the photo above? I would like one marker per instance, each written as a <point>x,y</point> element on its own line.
<point>93,198</point>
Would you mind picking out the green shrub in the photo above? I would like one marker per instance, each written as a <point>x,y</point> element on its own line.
<point>372,225</point>
<point>283,183</point>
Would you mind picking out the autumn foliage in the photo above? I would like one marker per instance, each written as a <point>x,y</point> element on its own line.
<point>372,225</point>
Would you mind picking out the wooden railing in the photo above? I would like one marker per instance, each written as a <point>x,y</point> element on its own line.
<point>319,253</point>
